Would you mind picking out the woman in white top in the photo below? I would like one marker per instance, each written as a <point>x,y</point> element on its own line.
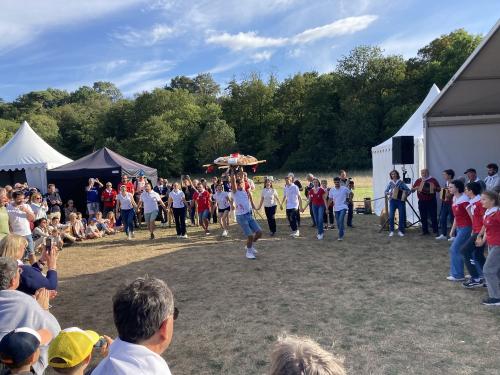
<point>38,206</point>
<point>270,201</point>
<point>223,206</point>
<point>177,202</point>
<point>126,204</point>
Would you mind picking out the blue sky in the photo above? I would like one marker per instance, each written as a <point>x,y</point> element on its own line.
<point>142,44</point>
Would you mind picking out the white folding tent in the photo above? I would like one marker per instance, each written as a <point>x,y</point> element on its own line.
<point>462,125</point>
<point>382,155</point>
<point>26,150</point>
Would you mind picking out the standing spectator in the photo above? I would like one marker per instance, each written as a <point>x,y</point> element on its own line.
<point>426,188</point>
<point>491,236</point>
<point>129,186</point>
<point>338,195</point>
<point>310,185</point>
<point>397,190</point>
<point>38,206</point>
<point>54,201</point>
<point>20,215</point>
<point>344,180</point>
<point>463,226</point>
<point>328,217</point>
<point>472,177</point>
<point>317,200</point>
<point>492,180</point>
<point>202,201</point>
<point>189,190</point>
<point>163,190</point>
<point>270,201</point>
<point>126,205</point>
<point>69,209</point>
<point>299,185</point>
<point>93,196</point>
<point>291,195</point>
<point>108,198</point>
<point>177,202</point>
<point>4,216</point>
<point>350,203</point>
<point>446,213</point>
<point>150,199</point>
<point>144,317</point>
<point>18,309</point>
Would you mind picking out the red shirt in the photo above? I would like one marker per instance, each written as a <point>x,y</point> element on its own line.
<point>477,216</point>
<point>492,225</point>
<point>317,198</point>
<point>109,198</point>
<point>129,186</point>
<point>459,208</point>
<point>202,200</point>
<point>426,189</point>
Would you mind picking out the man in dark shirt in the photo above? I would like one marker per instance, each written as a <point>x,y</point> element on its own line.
<point>54,201</point>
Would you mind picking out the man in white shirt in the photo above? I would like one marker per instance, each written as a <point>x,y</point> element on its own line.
<point>142,337</point>
<point>150,200</point>
<point>291,194</point>
<point>339,195</point>
<point>492,181</point>
<point>20,215</point>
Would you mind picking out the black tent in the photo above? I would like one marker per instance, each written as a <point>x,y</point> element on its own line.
<point>104,164</point>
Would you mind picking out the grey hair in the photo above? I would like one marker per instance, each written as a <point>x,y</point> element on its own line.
<point>8,271</point>
<point>292,355</point>
<point>140,308</point>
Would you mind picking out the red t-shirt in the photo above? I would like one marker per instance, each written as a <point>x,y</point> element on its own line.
<point>317,198</point>
<point>109,198</point>
<point>202,200</point>
<point>129,186</point>
<point>477,217</point>
<point>492,225</point>
<point>459,208</point>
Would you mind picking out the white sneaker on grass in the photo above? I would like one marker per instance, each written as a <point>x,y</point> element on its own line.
<point>441,237</point>
<point>224,233</point>
<point>254,250</point>
<point>185,236</point>
<point>451,239</point>
<point>391,234</point>
<point>319,236</point>
<point>133,235</point>
<point>451,278</point>
<point>401,234</point>
<point>295,234</point>
<point>250,254</point>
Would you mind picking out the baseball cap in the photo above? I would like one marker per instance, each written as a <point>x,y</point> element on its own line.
<point>470,170</point>
<point>71,346</point>
<point>17,345</point>
<point>290,175</point>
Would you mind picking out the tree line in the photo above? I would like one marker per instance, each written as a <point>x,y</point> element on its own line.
<point>308,121</point>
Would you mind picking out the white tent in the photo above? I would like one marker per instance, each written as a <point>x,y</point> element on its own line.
<point>462,125</point>
<point>382,155</point>
<point>26,150</point>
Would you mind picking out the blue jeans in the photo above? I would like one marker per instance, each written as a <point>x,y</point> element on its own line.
<point>339,216</point>
<point>318,212</point>
<point>456,258</point>
<point>400,206</point>
<point>248,224</point>
<point>30,247</point>
<point>128,220</point>
<point>445,215</point>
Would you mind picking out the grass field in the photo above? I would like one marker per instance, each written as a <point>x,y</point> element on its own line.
<point>382,304</point>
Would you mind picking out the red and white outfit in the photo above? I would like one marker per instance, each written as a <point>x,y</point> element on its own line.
<point>491,269</point>
<point>317,198</point>
<point>477,210</point>
<point>459,207</point>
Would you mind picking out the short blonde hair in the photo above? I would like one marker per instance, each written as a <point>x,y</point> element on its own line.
<point>292,355</point>
<point>10,245</point>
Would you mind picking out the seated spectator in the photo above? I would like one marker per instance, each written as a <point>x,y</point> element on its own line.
<point>63,230</point>
<point>40,232</point>
<point>18,309</point>
<point>32,278</point>
<point>76,228</point>
<point>56,238</point>
<point>144,317</point>
<point>69,208</point>
<point>38,206</point>
<point>112,222</point>
<point>292,355</point>
<point>80,217</point>
<point>92,231</point>
<point>71,351</point>
<point>102,224</point>
<point>20,349</point>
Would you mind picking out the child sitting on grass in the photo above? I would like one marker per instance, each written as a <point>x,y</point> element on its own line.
<point>112,222</point>
<point>103,224</point>
<point>92,231</point>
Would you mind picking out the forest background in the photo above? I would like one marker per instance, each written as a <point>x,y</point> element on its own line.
<point>309,121</point>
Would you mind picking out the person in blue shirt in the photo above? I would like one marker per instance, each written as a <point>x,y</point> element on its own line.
<point>397,191</point>
<point>93,196</point>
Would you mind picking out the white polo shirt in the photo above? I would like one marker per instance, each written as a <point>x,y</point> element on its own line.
<point>222,199</point>
<point>177,198</point>
<point>150,201</point>
<point>292,195</point>
<point>18,220</point>
<point>339,197</point>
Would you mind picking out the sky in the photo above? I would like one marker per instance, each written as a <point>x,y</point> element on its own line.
<point>142,44</point>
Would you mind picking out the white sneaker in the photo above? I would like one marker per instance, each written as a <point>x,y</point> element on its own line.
<point>319,236</point>
<point>133,235</point>
<point>451,278</point>
<point>129,236</point>
<point>391,234</point>
<point>401,234</point>
<point>185,236</point>
<point>224,233</point>
<point>340,239</point>
<point>451,239</point>
<point>254,250</point>
<point>441,237</point>
<point>296,233</point>
<point>250,254</point>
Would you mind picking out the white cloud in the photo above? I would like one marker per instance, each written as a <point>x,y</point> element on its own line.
<point>262,56</point>
<point>406,45</point>
<point>112,65</point>
<point>251,40</point>
<point>156,34</point>
<point>143,72</point>
<point>296,52</point>
<point>147,85</point>
<point>23,21</point>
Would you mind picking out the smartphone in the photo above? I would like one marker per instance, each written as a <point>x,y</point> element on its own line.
<point>102,342</point>
<point>48,245</point>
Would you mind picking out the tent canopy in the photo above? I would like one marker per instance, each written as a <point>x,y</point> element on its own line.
<point>382,154</point>
<point>468,110</point>
<point>27,150</point>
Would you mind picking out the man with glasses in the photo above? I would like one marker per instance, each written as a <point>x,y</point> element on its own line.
<point>20,216</point>
<point>144,317</point>
<point>54,201</point>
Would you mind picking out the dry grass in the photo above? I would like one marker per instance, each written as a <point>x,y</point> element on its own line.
<point>382,304</point>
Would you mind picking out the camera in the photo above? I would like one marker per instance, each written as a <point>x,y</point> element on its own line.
<point>48,245</point>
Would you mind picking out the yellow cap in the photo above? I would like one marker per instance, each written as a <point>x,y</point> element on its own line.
<point>71,346</point>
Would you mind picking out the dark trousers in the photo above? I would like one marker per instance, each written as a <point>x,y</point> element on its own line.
<point>180,220</point>
<point>350,209</point>
<point>428,210</point>
<point>271,221</point>
<point>214,216</point>
<point>329,217</point>
<point>298,218</point>
<point>470,252</point>
<point>445,216</point>
<point>291,215</point>
<point>192,213</point>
